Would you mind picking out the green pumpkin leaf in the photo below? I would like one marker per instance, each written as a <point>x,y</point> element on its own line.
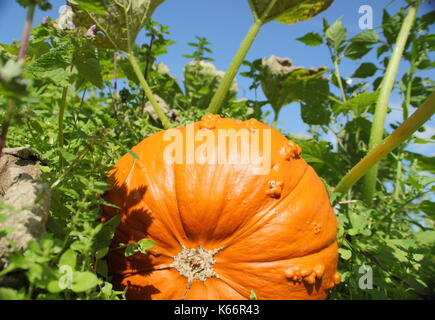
<point>283,83</point>
<point>120,24</point>
<point>288,11</point>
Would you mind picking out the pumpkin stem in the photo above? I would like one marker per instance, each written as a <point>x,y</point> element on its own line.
<point>195,264</point>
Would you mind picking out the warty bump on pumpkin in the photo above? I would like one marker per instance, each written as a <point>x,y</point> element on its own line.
<point>222,229</point>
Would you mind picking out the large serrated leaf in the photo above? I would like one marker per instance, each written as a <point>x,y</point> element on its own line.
<point>88,65</point>
<point>119,26</point>
<point>283,83</point>
<point>289,11</point>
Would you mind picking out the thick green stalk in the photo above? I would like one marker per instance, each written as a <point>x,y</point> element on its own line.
<point>377,129</point>
<point>423,114</point>
<point>227,81</point>
<point>162,116</point>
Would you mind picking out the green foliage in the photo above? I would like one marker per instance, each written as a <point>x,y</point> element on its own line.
<point>201,50</point>
<point>393,238</point>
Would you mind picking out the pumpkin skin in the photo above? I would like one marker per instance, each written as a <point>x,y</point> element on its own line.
<point>274,233</point>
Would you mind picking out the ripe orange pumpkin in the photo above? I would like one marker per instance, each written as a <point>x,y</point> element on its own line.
<point>220,229</point>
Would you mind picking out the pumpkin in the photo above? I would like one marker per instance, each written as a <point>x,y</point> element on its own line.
<point>221,229</point>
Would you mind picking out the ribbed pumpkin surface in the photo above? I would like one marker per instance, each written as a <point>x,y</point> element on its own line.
<point>274,233</point>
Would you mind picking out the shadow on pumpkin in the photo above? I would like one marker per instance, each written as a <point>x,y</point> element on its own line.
<point>133,227</point>
<point>309,287</point>
<point>140,292</point>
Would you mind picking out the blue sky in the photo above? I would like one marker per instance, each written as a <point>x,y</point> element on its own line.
<point>226,22</point>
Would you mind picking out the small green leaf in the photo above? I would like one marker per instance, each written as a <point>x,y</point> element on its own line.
<point>145,244</point>
<point>336,34</point>
<point>365,70</point>
<point>68,258</point>
<point>366,37</point>
<point>139,247</point>
<point>311,39</point>
<point>381,50</point>
<point>100,254</point>
<point>53,286</point>
<point>345,253</point>
<point>357,103</point>
<point>68,156</point>
<point>102,268</point>
<point>253,295</point>
<point>84,281</point>
<point>356,50</point>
